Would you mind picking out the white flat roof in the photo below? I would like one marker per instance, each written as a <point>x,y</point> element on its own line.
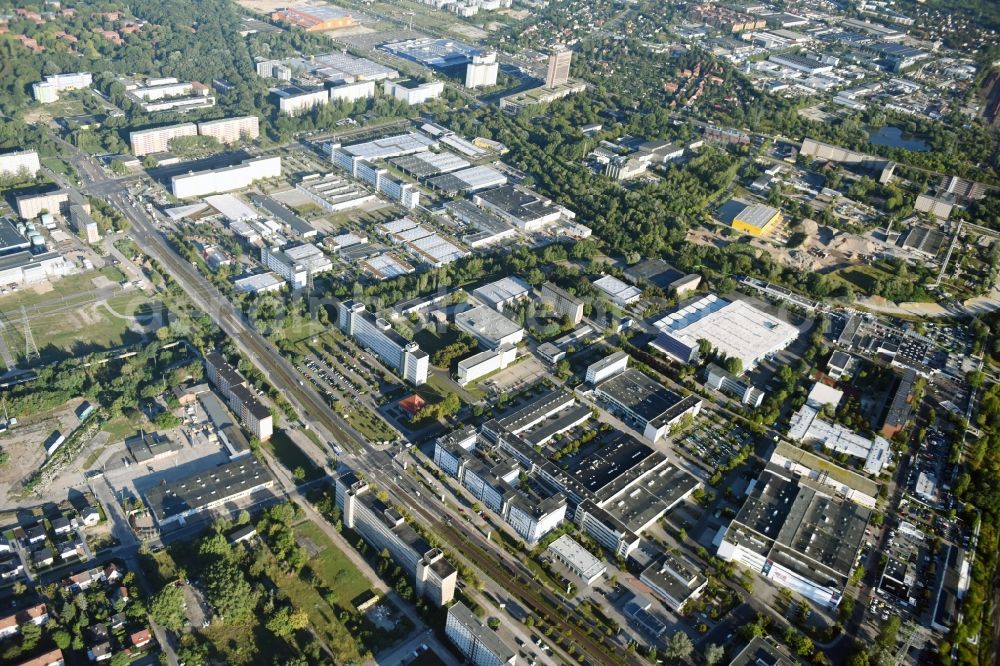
<point>617,289</point>
<point>232,208</point>
<point>821,394</point>
<point>502,290</point>
<point>390,146</point>
<point>806,425</point>
<point>386,266</point>
<point>735,328</point>
<point>578,557</point>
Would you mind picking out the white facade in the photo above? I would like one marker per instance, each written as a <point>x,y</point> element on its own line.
<point>48,90</point>
<point>489,327</point>
<point>483,363</point>
<point>296,263</point>
<point>294,102</point>
<point>482,71</point>
<point>12,164</point>
<point>607,367</point>
<point>157,139</point>
<point>226,179</point>
<point>352,92</point>
<point>230,130</point>
<point>416,95</point>
<point>374,333</point>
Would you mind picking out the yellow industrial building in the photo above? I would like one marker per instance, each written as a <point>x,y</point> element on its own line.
<point>757,219</point>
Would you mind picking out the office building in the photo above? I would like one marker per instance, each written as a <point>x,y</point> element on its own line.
<point>30,206</point>
<point>175,501</point>
<point>315,18</point>
<point>502,293</point>
<point>254,416</point>
<point>492,329</point>
<point>609,366</point>
<point>757,219</point>
<point>577,559</point>
<point>479,644</point>
<point>726,382</point>
<point>484,363</point>
<point>294,100</point>
<point>84,224</point>
<point>563,302</point>
<point>374,333</point>
<point>334,193</point>
<point>901,406</point>
<point>23,162</point>
<point>521,207</point>
<point>168,94</point>
<point>352,92</point>
<point>648,405</point>
<point>482,71</point>
<point>519,101</point>
<point>226,179</point>
<point>734,328</point>
<point>384,528</point>
<point>675,580</point>
<point>47,90</point>
<point>157,139</point>
<point>231,130</point>
<point>413,92</point>
<point>795,533</point>
<point>621,293</point>
<point>763,652</point>
<point>557,71</point>
<point>358,159</point>
<point>296,263</point>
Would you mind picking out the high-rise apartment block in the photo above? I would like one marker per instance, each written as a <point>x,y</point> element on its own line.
<point>558,70</point>
<point>375,333</point>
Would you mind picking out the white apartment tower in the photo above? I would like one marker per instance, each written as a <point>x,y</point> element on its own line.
<point>375,333</point>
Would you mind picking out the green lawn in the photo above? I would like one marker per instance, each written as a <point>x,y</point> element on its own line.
<point>291,456</point>
<point>331,565</point>
<point>112,273</point>
<point>371,427</point>
<point>431,342</point>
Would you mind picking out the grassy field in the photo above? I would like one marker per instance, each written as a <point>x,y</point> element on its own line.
<point>431,342</point>
<point>369,425</point>
<point>291,456</point>
<point>331,565</point>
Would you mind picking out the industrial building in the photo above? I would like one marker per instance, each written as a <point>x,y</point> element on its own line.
<point>315,18</point>
<point>384,528</point>
<point>482,71</point>
<point>795,533</point>
<point>801,63</point>
<point>47,90</point>
<point>374,333</point>
<point>609,366</point>
<point>757,219</point>
<point>422,242</point>
<point>563,302</point>
<point>674,580</point>
<point>426,164</point>
<point>578,559</point>
<point>806,425</point>
<point>358,159</point>
<point>471,179</point>
<point>332,68</point>
<point>296,263</point>
<point>20,162</point>
<point>175,501</point>
<point>621,293</point>
<point>521,207</point>
<point>293,100</point>
<point>84,224</point>
<point>230,130</point>
<point>491,328</point>
<point>157,139</point>
<point>483,228</point>
<point>226,179</point>
<point>557,69</point>
<point>901,406</point>
<point>413,92</point>
<point>434,53</point>
<point>502,293</point>
<point>734,328</point>
<point>479,644</point>
<point>259,284</point>
<point>352,92</point>
<point>648,405</point>
<point>333,193</point>
<point>254,415</point>
<point>842,481</point>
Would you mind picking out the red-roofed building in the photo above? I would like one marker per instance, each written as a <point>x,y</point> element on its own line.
<point>11,624</point>
<point>108,16</point>
<point>66,37</point>
<point>412,404</point>
<point>30,43</point>
<point>109,35</point>
<point>53,658</point>
<point>140,638</point>
<point>68,11</point>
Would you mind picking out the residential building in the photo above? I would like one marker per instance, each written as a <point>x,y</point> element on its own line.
<point>384,528</point>
<point>84,224</point>
<point>50,658</point>
<point>254,416</point>
<point>651,407</point>
<point>231,130</point>
<point>413,92</point>
<point>175,501</point>
<point>226,179</point>
<point>11,624</point>
<point>479,644</point>
<point>23,162</point>
<point>296,263</point>
<point>482,71</point>
<point>608,366</point>
<point>374,333</point>
<point>557,70</point>
<point>157,139</point>
<point>563,302</point>
<point>47,90</point>
<point>492,329</point>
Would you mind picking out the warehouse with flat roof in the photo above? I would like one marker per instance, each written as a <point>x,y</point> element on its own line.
<point>578,559</point>
<point>491,328</point>
<point>651,407</point>
<point>207,489</point>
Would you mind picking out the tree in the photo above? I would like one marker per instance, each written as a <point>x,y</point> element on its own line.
<point>679,646</point>
<point>62,639</point>
<point>121,659</point>
<point>714,654</point>
<point>286,621</point>
<point>167,607</point>
<point>31,633</point>
<point>229,592</point>
<point>734,365</point>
